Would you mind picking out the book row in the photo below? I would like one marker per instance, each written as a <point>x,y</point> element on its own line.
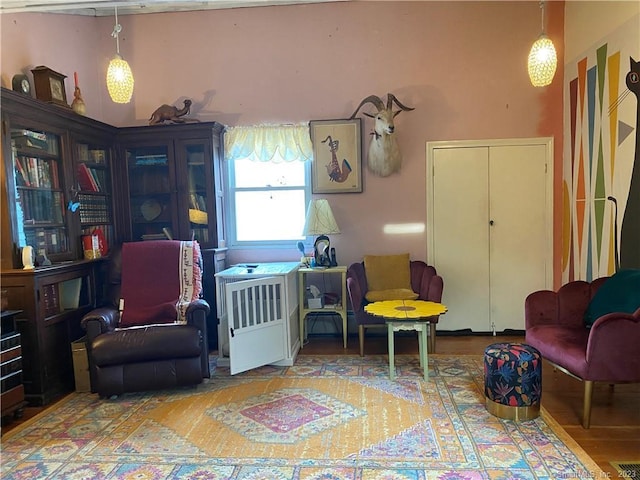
<point>40,206</point>
<point>36,140</point>
<point>94,209</point>
<point>88,154</point>
<point>200,234</point>
<point>49,240</point>
<point>36,172</point>
<point>51,302</point>
<point>91,179</point>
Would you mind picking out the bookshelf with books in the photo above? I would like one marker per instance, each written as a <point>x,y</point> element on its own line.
<point>152,196</point>
<point>40,218</point>
<point>49,154</point>
<point>198,191</point>
<point>43,206</point>
<point>94,191</point>
<point>170,171</point>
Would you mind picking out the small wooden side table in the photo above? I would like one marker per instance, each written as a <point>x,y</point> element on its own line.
<point>407,315</point>
<point>339,308</point>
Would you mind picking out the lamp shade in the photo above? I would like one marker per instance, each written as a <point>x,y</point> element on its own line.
<point>319,219</point>
<point>119,80</point>
<point>542,62</point>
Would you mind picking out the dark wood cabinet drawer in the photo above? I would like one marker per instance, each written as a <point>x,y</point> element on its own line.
<point>12,364</point>
<point>11,387</point>
<point>12,397</point>
<point>11,381</point>
<point>10,341</point>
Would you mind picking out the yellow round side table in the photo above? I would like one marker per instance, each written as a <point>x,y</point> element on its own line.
<point>407,315</point>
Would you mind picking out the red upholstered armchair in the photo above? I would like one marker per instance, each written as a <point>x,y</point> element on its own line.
<point>606,352</point>
<point>152,334</point>
<point>424,281</point>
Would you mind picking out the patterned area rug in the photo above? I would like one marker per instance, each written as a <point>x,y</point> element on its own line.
<point>325,418</point>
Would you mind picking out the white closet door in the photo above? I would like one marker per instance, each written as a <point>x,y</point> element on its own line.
<point>489,229</point>
<point>460,235</point>
<point>518,236</point>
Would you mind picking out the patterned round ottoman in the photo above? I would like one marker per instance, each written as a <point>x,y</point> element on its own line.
<point>513,381</point>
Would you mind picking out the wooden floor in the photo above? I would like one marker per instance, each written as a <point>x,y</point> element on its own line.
<point>615,418</point>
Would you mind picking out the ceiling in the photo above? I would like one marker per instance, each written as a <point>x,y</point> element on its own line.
<point>102,8</point>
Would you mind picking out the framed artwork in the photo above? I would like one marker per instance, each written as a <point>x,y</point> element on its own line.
<point>337,156</point>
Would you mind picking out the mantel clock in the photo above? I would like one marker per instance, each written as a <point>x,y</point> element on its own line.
<point>49,85</point>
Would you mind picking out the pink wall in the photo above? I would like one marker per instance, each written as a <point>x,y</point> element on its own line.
<point>462,65</point>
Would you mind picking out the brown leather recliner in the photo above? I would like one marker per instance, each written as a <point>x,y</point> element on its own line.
<point>153,354</point>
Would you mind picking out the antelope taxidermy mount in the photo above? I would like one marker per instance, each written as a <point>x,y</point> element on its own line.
<point>384,156</point>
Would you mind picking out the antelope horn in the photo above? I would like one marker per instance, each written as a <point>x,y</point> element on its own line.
<point>391,99</point>
<point>376,101</point>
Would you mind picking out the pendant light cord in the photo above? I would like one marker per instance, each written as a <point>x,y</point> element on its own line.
<point>117,28</point>
<point>541,16</point>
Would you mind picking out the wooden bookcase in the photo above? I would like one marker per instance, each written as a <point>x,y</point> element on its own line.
<point>49,205</point>
<point>49,153</point>
<point>65,176</point>
<point>53,300</point>
<point>92,167</point>
<point>172,182</point>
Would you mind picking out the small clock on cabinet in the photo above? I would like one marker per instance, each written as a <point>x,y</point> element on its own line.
<point>49,85</point>
<point>20,83</point>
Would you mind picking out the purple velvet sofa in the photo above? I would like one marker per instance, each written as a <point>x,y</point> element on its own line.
<point>606,352</point>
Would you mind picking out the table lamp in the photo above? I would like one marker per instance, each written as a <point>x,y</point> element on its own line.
<point>320,221</point>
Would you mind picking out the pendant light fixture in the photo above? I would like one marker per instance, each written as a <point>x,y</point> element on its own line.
<point>542,58</point>
<point>119,76</point>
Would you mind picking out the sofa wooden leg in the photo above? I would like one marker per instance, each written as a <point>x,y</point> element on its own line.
<point>586,408</point>
<point>361,338</point>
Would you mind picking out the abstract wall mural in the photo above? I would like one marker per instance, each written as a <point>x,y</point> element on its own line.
<point>601,203</point>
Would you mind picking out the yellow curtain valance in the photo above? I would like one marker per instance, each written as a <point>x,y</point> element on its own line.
<point>267,143</point>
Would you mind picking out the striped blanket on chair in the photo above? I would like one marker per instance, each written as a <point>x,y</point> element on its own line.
<point>159,280</point>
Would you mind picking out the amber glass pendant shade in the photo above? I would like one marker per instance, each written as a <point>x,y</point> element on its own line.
<point>542,62</point>
<point>119,80</point>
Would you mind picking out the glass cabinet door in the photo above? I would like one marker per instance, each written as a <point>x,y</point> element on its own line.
<point>93,190</point>
<point>197,191</point>
<point>40,210</point>
<point>151,197</point>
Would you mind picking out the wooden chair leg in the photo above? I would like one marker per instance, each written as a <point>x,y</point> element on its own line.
<point>586,408</point>
<point>432,338</point>
<point>361,338</point>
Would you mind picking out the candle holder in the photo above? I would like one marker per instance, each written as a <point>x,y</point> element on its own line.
<point>78,104</point>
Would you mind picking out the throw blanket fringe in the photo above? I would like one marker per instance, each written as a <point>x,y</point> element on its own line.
<point>190,277</point>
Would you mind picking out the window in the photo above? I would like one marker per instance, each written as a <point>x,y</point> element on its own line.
<point>267,198</point>
<point>268,201</point>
